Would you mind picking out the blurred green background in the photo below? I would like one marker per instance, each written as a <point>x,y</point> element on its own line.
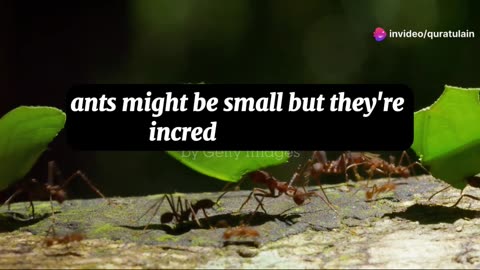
<point>47,46</point>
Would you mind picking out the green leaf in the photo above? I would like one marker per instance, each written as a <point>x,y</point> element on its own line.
<point>229,165</point>
<point>24,134</point>
<point>447,135</point>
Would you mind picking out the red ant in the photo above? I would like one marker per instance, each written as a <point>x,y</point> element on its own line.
<point>374,163</point>
<point>241,232</point>
<point>377,190</point>
<point>180,212</point>
<point>33,189</point>
<point>66,239</point>
<point>320,165</point>
<point>277,188</point>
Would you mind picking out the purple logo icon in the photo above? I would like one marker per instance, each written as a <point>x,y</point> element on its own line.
<point>379,34</point>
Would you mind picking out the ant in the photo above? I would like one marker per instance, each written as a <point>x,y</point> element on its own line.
<point>374,163</point>
<point>35,190</point>
<point>66,239</point>
<point>241,231</point>
<point>277,188</point>
<point>377,190</point>
<point>73,237</point>
<point>320,165</point>
<point>180,212</point>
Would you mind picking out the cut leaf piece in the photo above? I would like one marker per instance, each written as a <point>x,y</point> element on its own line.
<point>24,134</point>
<point>229,165</point>
<point>447,135</point>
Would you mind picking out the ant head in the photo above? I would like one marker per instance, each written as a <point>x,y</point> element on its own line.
<point>404,172</point>
<point>58,195</point>
<point>474,181</point>
<point>166,218</point>
<point>299,199</point>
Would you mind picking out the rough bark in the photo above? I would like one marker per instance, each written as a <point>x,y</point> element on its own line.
<point>398,229</point>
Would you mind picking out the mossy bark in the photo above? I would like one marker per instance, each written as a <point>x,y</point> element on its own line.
<point>399,229</point>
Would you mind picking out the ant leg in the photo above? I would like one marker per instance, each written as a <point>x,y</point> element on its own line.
<point>326,197</point>
<point>156,205</point>
<point>441,190</point>
<point>207,218</point>
<point>33,208</point>
<point>298,174</point>
<point>250,196</point>
<point>254,212</point>
<point>178,210</point>
<point>343,161</point>
<point>404,155</point>
<point>194,215</point>
<point>246,201</point>
<point>370,194</point>
<point>83,177</point>
<point>355,170</point>
<point>357,174</point>
<point>226,191</point>
<point>52,171</point>
<point>410,164</point>
<point>419,165</point>
<point>255,192</point>
<point>465,195</point>
<point>260,202</point>
<point>7,202</point>
<point>326,201</point>
<point>53,211</point>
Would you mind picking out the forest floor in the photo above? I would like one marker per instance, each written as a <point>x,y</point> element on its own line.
<point>399,229</point>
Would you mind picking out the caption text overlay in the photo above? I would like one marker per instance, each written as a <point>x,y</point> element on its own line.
<point>240,117</point>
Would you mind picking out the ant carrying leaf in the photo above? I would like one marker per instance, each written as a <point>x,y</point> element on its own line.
<point>34,190</point>
<point>373,163</point>
<point>276,188</point>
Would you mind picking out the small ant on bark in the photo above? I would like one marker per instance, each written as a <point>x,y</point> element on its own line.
<point>69,238</point>
<point>241,231</point>
<point>182,211</point>
<point>277,188</point>
<point>374,163</point>
<point>240,234</point>
<point>319,165</point>
<point>54,239</point>
<point>372,193</point>
<point>34,190</point>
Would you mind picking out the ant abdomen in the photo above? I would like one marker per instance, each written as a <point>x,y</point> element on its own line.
<point>166,217</point>
<point>204,204</point>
